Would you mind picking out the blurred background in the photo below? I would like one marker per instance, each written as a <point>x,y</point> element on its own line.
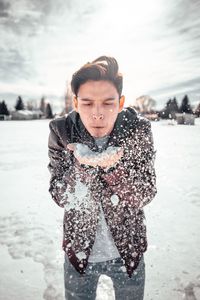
<point>42,43</point>
<point>156,44</point>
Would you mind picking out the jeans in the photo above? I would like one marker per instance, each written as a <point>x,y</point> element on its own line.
<point>83,287</point>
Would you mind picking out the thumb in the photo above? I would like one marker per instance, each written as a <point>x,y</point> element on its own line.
<point>71,146</point>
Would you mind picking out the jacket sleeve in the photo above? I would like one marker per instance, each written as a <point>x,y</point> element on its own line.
<point>60,165</point>
<point>133,178</point>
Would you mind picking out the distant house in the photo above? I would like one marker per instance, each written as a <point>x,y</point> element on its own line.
<point>5,117</point>
<point>186,119</point>
<point>37,114</point>
<point>152,117</point>
<point>26,114</point>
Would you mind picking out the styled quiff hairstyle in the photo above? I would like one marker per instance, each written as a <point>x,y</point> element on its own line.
<point>102,68</point>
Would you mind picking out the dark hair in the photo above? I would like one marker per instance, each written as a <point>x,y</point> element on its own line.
<point>102,68</point>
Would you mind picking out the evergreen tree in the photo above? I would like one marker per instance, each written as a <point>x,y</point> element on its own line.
<point>170,109</point>
<point>175,105</point>
<point>185,105</point>
<point>3,109</point>
<point>48,111</point>
<point>165,112</point>
<point>19,104</point>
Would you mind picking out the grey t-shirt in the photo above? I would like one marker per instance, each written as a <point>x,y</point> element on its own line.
<point>104,247</point>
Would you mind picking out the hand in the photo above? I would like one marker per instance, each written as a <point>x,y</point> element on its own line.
<point>109,160</point>
<point>104,159</point>
<point>83,158</point>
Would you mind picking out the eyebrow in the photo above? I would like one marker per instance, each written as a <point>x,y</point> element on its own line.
<point>88,99</point>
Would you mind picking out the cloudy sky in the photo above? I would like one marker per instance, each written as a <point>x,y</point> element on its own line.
<point>155,42</point>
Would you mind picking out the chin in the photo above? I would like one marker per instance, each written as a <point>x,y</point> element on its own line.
<point>98,132</point>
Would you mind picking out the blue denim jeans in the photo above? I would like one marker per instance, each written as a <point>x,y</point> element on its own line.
<point>83,287</point>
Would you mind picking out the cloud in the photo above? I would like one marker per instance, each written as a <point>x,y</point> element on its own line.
<point>44,42</point>
<point>37,38</point>
<point>4,7</point>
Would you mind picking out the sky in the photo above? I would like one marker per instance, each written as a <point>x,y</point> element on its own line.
<point>155,42</point>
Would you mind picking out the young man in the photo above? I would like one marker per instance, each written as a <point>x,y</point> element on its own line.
<point>102,174</point>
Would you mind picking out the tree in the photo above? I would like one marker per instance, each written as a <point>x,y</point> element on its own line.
<point>68,99</point>
<point>3,109</point>
<point>42,104</point>
<point>174,104</point>
<point>48,111</point>
<point>185,106</point>
<point>30,105</point>
<point>170,110</point>
<point>145,104</point>
<point>19,103</point>
<point>197,110</point>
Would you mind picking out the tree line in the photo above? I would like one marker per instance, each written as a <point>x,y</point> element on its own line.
<point>144,105</point>
<point>147,106</point>
<point>172,108</point>
<point>44,107</point>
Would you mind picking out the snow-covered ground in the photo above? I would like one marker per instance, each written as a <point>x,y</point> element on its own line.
<point>31,257</point>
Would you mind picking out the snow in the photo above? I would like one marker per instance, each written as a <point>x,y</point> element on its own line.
<point>114,199</point>
<point>79,199</point>
<point>31,223</point>
<point>81,255</point>
<point>84,151</point>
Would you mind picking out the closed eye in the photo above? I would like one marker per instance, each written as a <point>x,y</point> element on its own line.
<point>108,103</point>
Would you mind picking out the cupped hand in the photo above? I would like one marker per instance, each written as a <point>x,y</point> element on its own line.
<point>94,159</point>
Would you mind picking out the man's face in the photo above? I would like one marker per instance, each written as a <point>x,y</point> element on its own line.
<point>98,105</point>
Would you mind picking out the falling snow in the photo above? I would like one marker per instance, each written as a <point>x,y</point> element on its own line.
<point>114,199</point>
<point>31,224</point>
<point>79,199</point>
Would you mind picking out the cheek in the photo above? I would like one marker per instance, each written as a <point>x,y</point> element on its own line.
<point>112,110</point>
<point>84,111</point>
<point>84,116</point>
<point>111,116</point>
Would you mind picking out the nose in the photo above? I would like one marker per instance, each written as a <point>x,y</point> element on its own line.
<point>97,116</point>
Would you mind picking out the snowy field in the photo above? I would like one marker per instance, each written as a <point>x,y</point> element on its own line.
<point>31,257</point>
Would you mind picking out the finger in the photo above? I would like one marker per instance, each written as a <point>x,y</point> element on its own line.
<point>71,147</point>
<point>120,151</point>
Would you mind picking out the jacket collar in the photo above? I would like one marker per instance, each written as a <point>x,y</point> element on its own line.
<point>125,122</point>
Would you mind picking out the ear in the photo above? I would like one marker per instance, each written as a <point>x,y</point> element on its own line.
<point>75,103</point>
<point>121,103</point>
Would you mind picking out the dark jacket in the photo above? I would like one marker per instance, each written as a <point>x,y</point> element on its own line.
<point>80,189</point>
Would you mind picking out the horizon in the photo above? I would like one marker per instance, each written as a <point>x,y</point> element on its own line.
<point>58,103</point>
<point>42,44</point>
